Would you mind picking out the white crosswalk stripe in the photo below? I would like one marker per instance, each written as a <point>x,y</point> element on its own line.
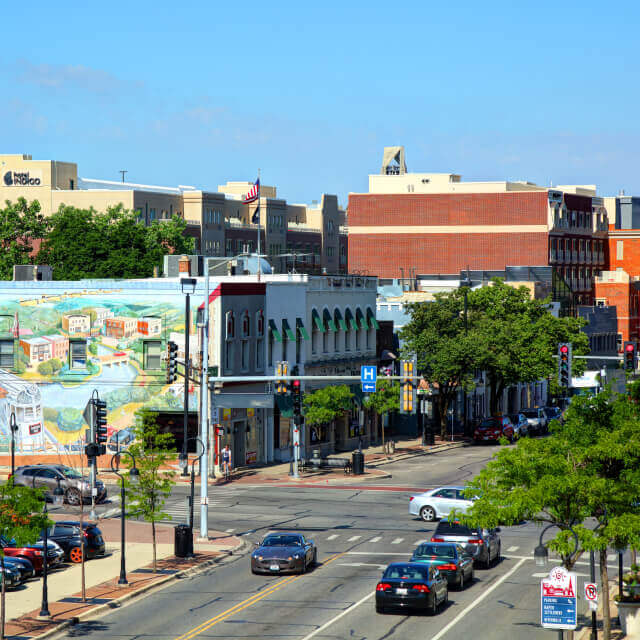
<point>417,542</point>
<point>397,540</point>
<point>512,549</point>
<point>333,537</point>
<point>376,539</point>
<point>229,530</point>
<point>354,538</point>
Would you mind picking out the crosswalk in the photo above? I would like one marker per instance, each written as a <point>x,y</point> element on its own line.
<point>178,510</point>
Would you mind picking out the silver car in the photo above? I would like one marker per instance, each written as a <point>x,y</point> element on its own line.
<point>538,423</point>
<point>483,544</point>
<point>438,503</point>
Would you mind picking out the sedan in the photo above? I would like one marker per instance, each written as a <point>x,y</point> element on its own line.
<point>12,577</point>
<point>438,503</point>
<point>284,553</point>
<point>451,560</point>
<point>520,424</point>
<point>483,545</point>
<point>411,585</point>
<point>492,429</point>
<point>24,567</point>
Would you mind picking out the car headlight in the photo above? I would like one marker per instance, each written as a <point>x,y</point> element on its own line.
<point>260,558</point>
<point>297,557</point>
<point>290,558</point>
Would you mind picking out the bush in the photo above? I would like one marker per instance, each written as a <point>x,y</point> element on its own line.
<point>45,368</point>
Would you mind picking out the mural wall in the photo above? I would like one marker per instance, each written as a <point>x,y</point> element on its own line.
<point>68,344</point>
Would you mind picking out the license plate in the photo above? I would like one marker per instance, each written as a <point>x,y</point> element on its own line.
<point>402,592</point>
<point>275,567</point>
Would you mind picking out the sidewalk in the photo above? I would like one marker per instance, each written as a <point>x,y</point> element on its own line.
<point>101,577</point>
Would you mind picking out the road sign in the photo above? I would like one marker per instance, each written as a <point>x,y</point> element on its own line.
<point>558,600</point>
<point>591,594</point>
<point>368,375</point>
<point>215,415</point>
<point>89,413</point>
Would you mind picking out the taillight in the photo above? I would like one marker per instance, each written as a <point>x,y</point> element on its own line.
<point>437,539</point>
<point>422,588</point>
<point>475,541</point>
<point>86,534</point>
<point>383,586</point>
<point>447,567</point>
<point>410,498</point>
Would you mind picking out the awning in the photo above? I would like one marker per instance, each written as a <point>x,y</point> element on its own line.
<point>286,329</point>
<point>301,329</point>
<point>350,319</point>
<point>339,320</point>
<point>274,331</point>
<point>360,319</point>
<point>328,320</point>
<point>317,321</point>
<point>372,319</point>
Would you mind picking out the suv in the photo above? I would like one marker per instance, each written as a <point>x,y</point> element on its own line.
<point>538,423</point>
<point>47,476</point>
<point>482,544</point>
<point>67,534</point>
<point>34,553</point>
<point>492,429</point>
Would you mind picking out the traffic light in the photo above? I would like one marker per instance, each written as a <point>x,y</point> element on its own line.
<point>564,364</point>
<point>629,356</point>
<point>296,394</point>
<point>407,387</point>
<point>282,369</point>
<point>101,425</point>
<point>172,362</point>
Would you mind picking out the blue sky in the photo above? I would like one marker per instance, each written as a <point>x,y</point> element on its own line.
<point>199,93</point>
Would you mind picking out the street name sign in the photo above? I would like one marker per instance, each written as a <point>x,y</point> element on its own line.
<point>558,600</point>
<point>368,375</point>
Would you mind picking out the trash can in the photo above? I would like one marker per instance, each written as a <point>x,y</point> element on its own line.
<point>357,462</point>
<point>183,541</point>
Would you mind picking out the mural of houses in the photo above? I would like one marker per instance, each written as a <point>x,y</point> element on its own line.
<point>121,327</point>
<point>76,324</point>
<point>37,350</point>
<point>102,314</point>
<point>150,327</point>
<point>59,346</point>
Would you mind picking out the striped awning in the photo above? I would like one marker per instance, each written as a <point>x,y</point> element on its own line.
<point>274,331</point>
<point>328,320</point>
<point>339,320</point>
<point>361,319</point>
<point>317,321</point>
<point>286,329</point>
<point>300,327</point>
<point>351,321</point>
<point>373,323</point>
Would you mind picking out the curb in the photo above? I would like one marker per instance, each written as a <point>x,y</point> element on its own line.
<point>406,456</point>
<point>118,602</point>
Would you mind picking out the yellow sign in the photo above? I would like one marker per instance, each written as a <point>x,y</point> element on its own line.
<point>226,414</point>
<point>251,413</point>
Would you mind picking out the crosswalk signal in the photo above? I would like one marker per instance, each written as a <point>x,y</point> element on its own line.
<point>296,394</point>
<point>629,356</point>
<point>282,369</point>
<point>172,362</point>
<point>407,387</point>
<point>101,425</point>
<point>564,364</point>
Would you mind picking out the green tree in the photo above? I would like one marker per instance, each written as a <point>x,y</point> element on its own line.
<point>384,400</point>
<point>93,348</point>
<point>45,368</point>
<point>56,365</point>
<point>153,453</point>
<point>22,520</point>
<point>327,404</point>
<point>20,225</point>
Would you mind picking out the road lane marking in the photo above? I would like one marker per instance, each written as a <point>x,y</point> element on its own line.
<point>229,530</point>
<point>397,541</point>
<point>207,624</point>
<point>340,615</point>
<point>417,542</point>
<point>333,537</point>
<point>479,599</point>
<point>376,539</point>
<point>512,549</point>
<point>354,538</point>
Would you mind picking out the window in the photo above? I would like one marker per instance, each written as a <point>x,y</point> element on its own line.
<point>228,356</point>
<point>260,354</point>
<point>358,340</point>
<point>244,352</point>
<point>270,354</point>
<point>620,250</point>
<point>6,353</point>
<point>231,326</point>
<point>246,325</point>
<point>259,324</point>
<point>77,354</point>
<point>314,339</point>
<point>151,354</point>
<point>325,342</point>
<point>229,247</point>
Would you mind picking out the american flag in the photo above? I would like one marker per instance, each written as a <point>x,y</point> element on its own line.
<point>254,193</point>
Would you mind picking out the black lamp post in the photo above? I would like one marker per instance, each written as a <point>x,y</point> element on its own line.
<point>188,287</point>
<point>58,494</point>
<point>13,427</point>
<point>465,284</point>
<point>184,463</point>
<point>133,475</point>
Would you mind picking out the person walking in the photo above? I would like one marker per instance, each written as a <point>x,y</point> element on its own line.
<point>226,461</point>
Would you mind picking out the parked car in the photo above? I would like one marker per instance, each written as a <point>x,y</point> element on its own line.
<point>483,545</point>
<point>411,585</point>
<point>520,424</point>
<point>68,535</point>
<point>22,565</point>
<point>34,553</point>
<point>284,553</point>
<point>76,487</point>
<point>553,413</point>
<point>120,440</point>
<point>438,503</point>
<point>492,429</point>
<point>12,577</point>
<point>537,419</point>
<point>451,560</point>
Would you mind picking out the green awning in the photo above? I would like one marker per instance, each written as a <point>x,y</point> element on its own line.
<point>372,319</point>
<point>318,321</point>
<point>361,319</point>
<point>328,320</point>
<point>286,329</point>
<point>340,320</point>
<point>350,319</point>
<point>301,329</point>
<point>274,331</point>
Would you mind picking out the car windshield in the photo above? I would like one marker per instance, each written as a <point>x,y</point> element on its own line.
<point>445,528</point>
<point>553,411</point>
<point>282,541</point>
<point>406,572</point>
<point>531,413</point>
<point>488,423</point>
<point>71,473</point>
<point>436,550</point>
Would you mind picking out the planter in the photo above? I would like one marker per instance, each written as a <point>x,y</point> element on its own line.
<point>629,613</point>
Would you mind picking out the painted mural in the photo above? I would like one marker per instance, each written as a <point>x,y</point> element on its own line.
<point>69,344</point>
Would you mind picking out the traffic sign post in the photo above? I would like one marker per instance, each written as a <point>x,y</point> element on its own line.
<point>558,600</point>
<point>591,594</point>
<point>368,375</point>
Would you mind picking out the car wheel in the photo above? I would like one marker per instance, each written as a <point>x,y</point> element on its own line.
<point>75,555</point>
<point>303,568</point>
<point>445,601</point>
<point>428,513</point>
<point>379,608</point>
<point>433,609</point>
<point>73,497</point>
<point>471,576</point>
<point>497,558</point>
<point>461,581</point>
<point>314,562</point>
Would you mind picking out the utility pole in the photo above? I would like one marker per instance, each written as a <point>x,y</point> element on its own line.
<point>204,412</point>
<point>123,171</point>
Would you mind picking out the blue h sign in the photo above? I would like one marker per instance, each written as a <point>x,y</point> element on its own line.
<point>368,375</point>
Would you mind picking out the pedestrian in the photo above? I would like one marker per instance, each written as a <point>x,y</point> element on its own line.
<point>226,461</point>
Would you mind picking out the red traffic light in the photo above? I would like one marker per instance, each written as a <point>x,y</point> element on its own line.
<point>630,347</point>
<point>296,384</point>
<point>564,349</point>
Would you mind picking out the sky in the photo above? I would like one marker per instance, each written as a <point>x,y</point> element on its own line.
<point>198,93</point>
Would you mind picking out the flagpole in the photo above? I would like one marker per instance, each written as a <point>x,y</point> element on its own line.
<point>259,263</point>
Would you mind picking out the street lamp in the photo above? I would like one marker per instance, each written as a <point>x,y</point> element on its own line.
<point>541,554</point>
<point>133,476</point>
<point>184,463</point>
<point>188,287</point>
<point>13,427</point>
<point>58,494</point>
<point>465,285</point>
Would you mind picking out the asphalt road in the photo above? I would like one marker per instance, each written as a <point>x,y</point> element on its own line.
<point>358,531</point>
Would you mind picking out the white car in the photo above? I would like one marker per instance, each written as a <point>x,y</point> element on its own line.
<point>438,503</point>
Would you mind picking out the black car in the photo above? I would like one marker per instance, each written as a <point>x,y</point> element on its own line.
<point>411,585</point>
<point>22,565</point>
<point>68,535</point>
<point>451,560</point>
<point>284,553</point>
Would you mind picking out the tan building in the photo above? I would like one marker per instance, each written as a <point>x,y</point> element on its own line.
<point>121,327</point>
<point>76,324</point>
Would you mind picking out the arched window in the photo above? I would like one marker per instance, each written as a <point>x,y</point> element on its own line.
<point>260,323</point>
<point>231,325</point>
<point>246,324</point>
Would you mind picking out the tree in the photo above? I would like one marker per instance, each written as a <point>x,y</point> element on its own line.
<point>385,399</point>
<point>326,404</point>
<point>152,452</point>
<point>45,368</point>
<point>22,520</point>
<point>20,225</point>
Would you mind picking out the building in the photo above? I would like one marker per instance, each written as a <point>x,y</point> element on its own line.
<point>59,346</point>
<point>149,327</point>
<point>101,314</point>
<point>76,324</point>
<point>36,350</point>
<point>297,237</point>
<point>434,223</point>
<point>120,327</point>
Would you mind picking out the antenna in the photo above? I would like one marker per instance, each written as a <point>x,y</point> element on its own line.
<point>123,171</point>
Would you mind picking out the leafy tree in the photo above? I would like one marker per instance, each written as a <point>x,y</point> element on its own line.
<point>22,520</point>
<point>56,365</point>
<point>152,452</point>
<point>326,404</point>
<point>93,348</point>
<point>20,225</point>
<point>45,368</point>
<point>385,399</point>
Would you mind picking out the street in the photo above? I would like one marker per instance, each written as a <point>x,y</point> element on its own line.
<point>358,531</point>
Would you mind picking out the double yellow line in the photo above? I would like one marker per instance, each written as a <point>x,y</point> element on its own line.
<point>207,624</point>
